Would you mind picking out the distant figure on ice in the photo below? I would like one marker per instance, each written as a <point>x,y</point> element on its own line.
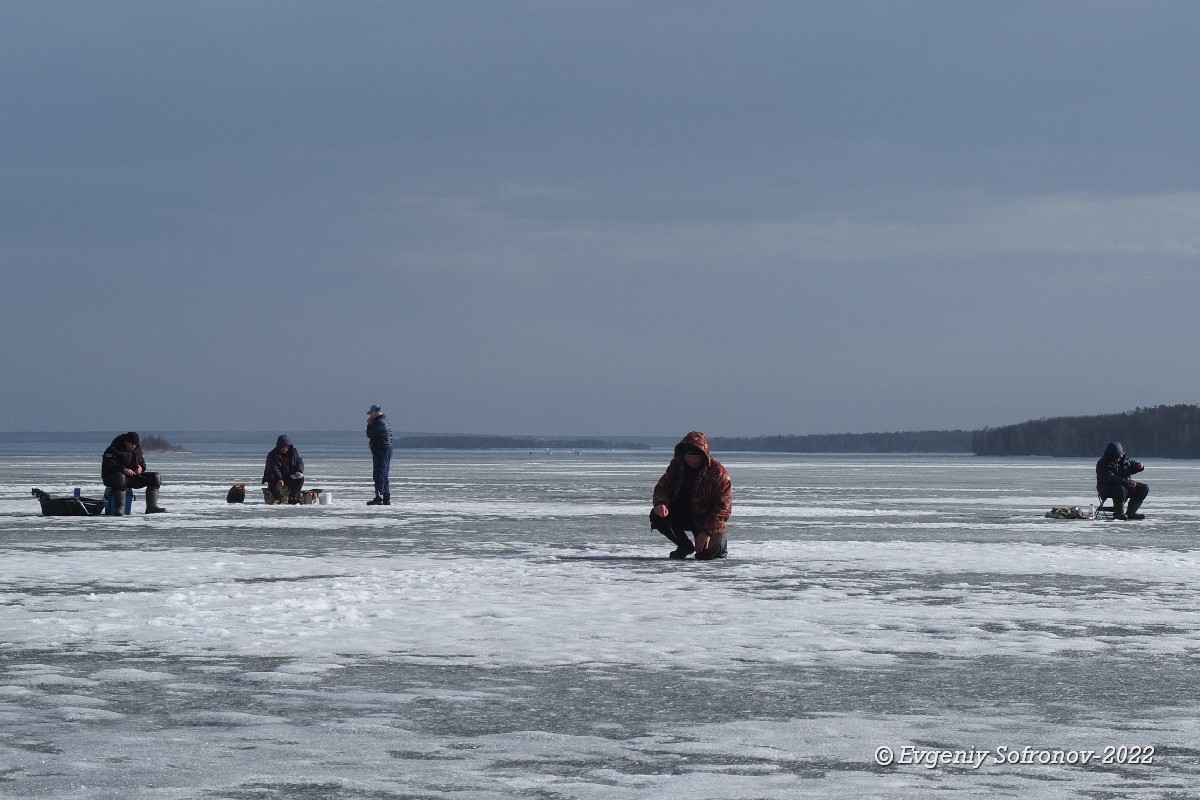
<point>284,470</point>
<point>694,494</point>
<point>1113,480</point>
<point>379,434</point>
<point>124,467</point>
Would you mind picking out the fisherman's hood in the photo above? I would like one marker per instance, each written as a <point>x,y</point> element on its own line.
<point>697,440</point>
<point>1113,451</point>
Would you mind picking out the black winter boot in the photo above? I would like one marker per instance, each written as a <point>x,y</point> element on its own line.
<point>118,496</point>
<point>681,552</point>
<point>387,500</point>
<point>377,500</point>
<point>152,501</point>
<point>684,546</point>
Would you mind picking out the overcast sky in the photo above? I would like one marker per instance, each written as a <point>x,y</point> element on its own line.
<point>596,217</point>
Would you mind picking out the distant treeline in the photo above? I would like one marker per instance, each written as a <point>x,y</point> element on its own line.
<point>900,442</point>
<point>475,442</point>
<point>1161,432</point>
<point>1158,432</point>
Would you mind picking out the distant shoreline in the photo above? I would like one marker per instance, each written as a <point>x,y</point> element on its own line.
<point>1161,431</point>
<point>180,441</point>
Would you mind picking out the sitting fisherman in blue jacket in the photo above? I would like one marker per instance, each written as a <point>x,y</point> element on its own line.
<point>1113,480</point>
<point>284,467</point>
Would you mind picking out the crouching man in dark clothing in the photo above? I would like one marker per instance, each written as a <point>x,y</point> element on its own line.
<point>285,468</point>
<point>124,467</point>
<point>694,494</point>
<point>1113,480</point>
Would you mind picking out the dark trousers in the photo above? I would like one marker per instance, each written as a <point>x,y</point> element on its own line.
<point>677,529</point>
<point>1119,494</point>
<point>294,485</point>
<point>381,463</point>
<point>120,481</point>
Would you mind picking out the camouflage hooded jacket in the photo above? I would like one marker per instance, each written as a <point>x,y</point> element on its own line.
<point>712,496</point>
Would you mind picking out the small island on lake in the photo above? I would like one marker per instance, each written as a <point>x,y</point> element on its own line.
<point>158,444</point>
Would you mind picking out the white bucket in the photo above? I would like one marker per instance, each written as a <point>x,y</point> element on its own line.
<point>324,498</point>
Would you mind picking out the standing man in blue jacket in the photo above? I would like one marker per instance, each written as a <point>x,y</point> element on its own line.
<point>379,434</point>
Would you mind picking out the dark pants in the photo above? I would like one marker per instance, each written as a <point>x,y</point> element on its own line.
<point>676,530</point>
<point>381,463</point>
<point>1119,494</point>
<point>294,485</point>
<point>120,481</point>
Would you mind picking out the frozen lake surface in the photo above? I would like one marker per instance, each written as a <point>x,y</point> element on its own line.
<point>511,628</point>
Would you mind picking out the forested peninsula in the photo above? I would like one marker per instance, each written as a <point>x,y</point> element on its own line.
<point>1158,432</point>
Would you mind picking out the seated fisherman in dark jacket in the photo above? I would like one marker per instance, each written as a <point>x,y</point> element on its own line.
<point>285,468</point>
<point>124,467</point>
<point>1113,480</point>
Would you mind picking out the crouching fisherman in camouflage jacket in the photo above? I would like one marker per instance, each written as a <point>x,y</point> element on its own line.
<point>124,467</point>
<point>694,494</point>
